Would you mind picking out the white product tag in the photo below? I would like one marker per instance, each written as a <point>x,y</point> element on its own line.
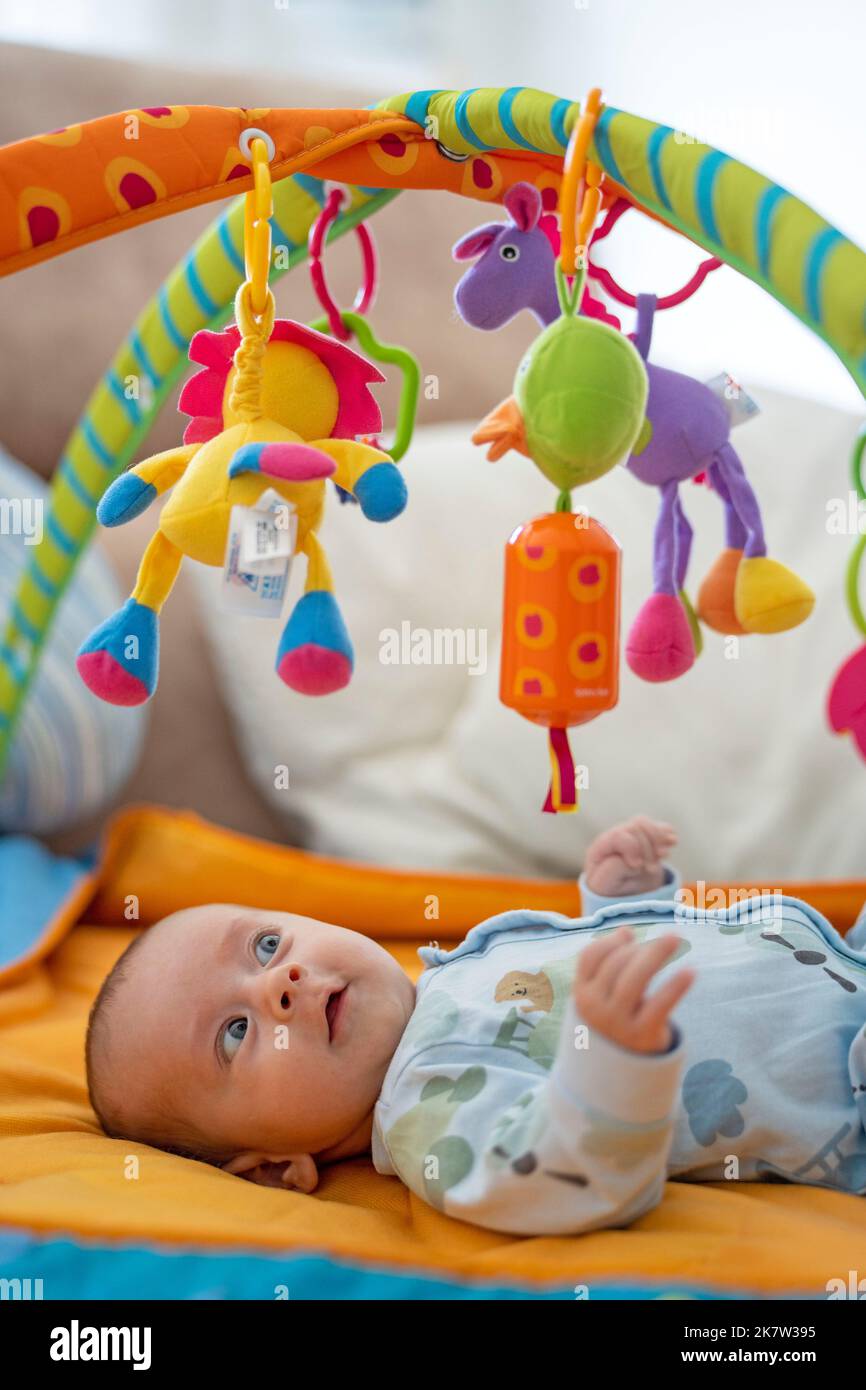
<point>259,549</point>
<point>268,530</point>
<point>740,405</point>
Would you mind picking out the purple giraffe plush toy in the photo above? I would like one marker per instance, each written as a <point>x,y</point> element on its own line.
<point>689,435</point>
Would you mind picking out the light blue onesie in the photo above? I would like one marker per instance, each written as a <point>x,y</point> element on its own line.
<point>501,1108</point>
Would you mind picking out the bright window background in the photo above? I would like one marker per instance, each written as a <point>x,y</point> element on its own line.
<point>778,84</point>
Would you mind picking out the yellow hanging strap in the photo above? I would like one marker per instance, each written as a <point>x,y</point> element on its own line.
<point>254,302</point>
<point>576,223</point>
<point>258,211</point>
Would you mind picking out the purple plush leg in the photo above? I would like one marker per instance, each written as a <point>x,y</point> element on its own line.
<point>660,644</point>
<point>735,531</point>
<point>665,542</point>
<point>684,537</point>
<point>743,500</point>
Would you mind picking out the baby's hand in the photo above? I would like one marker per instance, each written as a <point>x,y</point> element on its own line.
<point>610,990</point>
<point>628,859</point>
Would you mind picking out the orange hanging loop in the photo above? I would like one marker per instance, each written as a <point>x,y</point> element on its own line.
<point>579,177</point>
<point>258,211</point>
<point>590,206</point>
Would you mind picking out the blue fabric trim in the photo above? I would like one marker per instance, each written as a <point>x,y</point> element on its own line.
<point>764,215</point>
<point>74,483</point>
<point>558,113</point>
<point>129,404</point>
<point>95,444</point>
<point>819,252</point>
<point>462,118</point>
<point>87,1270</point>
<point>418,105</point>
<point>140,351</point>
<point>42,582</point>
<point>280,238</point>
<point>655,145</point>
<point>17,667</point>
<point>59,535</point>
<point>311,185</point>
<point>208,306</point>
<point>233,256</point>
<point>505,106</point>
<point>173,332</point>
<point>34,884</point>
<point>705,182</point>
<point>603,147</point>
<point>23,623</point>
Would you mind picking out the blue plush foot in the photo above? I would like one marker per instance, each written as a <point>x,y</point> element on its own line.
<point>119,661</point>
<point>127,497</point>
<point>381,492</point>
<point>315,654</point>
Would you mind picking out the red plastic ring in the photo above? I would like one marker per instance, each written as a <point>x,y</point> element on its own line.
<point>367,292</point>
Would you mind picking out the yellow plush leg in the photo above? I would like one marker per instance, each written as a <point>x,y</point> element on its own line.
<point>768,597</point>
<point>157,572</point>
<point>318,570</point>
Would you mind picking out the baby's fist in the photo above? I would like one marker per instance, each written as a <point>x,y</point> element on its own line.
<point>629,858</point>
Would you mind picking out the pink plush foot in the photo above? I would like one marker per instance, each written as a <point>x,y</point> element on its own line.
<point>108,679</point>
<point>315,670</point>
<point>660,645</point>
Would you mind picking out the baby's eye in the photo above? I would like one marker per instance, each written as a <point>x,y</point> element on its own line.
<point>233,1035</point>
<point>266,946</point>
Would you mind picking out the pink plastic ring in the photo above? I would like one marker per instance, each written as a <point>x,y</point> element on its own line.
<point>367,292</point>
<point>616,292</point>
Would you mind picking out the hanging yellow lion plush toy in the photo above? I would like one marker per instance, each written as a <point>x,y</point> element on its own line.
<point>278,405</point>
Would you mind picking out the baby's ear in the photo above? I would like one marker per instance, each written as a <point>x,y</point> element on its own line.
<point>296,1172</point>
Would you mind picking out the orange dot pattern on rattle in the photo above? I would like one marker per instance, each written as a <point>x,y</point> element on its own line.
<point>560,647</point>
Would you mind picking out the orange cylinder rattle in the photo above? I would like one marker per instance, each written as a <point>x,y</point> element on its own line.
<point>560,632</point>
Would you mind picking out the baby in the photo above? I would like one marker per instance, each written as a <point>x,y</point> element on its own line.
<point>535,1082</point>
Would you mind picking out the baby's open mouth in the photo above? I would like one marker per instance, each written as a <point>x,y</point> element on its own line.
<point>334,1011</point>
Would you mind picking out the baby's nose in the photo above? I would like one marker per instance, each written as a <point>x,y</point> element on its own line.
<point>283,989</point>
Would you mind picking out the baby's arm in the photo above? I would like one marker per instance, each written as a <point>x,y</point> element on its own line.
<point>582,1149</point>
<point>628,862</point>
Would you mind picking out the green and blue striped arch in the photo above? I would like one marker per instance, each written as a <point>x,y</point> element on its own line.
<point>733,212</point>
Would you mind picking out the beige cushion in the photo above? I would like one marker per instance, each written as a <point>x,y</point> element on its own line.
<point>423,765</point>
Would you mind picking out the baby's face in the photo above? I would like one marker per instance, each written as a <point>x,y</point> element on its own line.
<point>260,1030</point>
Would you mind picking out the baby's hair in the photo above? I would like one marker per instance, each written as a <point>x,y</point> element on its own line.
<point>97,1060</point>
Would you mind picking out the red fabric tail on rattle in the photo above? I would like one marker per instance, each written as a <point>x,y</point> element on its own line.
<point>562,794</point>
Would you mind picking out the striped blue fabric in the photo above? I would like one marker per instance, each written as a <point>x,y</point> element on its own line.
<point>509,125</point>
<point>655,144</point>
<point>462,118</point>
<point>705,183</point>
<point>71,752</point>
<point>766,211</point>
